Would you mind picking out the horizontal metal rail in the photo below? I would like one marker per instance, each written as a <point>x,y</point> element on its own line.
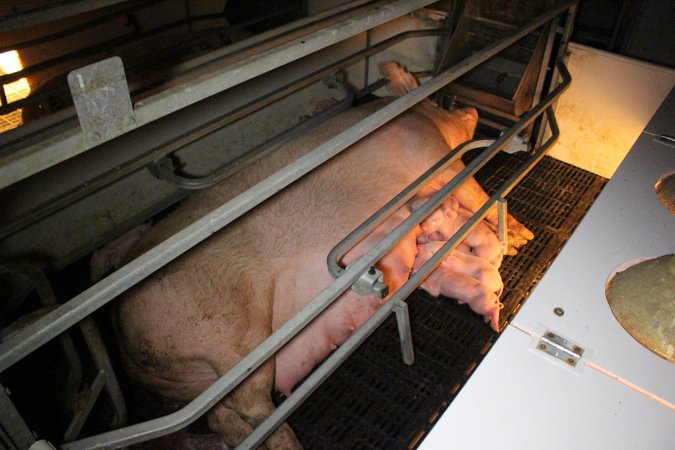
<point>331,363</point>
<point>50,13</point>
<point>22,160</point>
<point>20,45</point>
<point>95,184</point>
<point>104,47</point>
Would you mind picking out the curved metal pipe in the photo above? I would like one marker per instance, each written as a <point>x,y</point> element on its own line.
<point>163,168</point>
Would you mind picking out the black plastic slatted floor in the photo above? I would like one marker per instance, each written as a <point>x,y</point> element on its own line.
<point>375,401</point>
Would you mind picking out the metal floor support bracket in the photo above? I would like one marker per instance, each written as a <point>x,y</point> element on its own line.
<point>105,379</point>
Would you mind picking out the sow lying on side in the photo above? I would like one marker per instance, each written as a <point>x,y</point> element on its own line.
<point>189,323</point>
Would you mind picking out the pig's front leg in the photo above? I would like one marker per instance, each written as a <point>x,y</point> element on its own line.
<point>235,417</point>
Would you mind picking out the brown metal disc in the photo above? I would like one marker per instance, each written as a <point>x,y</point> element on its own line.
<point>665,189</point>
<point>642,298</point>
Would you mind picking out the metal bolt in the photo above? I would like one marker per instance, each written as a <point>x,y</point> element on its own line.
<point>381,289</point>
<point>371,271</point>
<point>558,311</point>
<point>577,349</point>
<point>570,361</point>
<point>542,346</point>
<point>550,335</point>
<point>95,135</point>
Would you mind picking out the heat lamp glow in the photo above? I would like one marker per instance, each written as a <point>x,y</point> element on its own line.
<point>10,62</point>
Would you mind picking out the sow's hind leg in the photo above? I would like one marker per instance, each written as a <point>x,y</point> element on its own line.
<point>181,330</point>
<point>246,408</point>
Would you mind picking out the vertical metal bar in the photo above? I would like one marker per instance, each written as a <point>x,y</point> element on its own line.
<point>540,127</point>
<point>99,354</point>
<point>85,407</point>
<point>502,227</point>
<point>12,422</point>
<point>367,61</point>
<point>404,331</point>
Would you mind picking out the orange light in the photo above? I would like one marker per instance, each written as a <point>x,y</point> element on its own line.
<point>10,63</point>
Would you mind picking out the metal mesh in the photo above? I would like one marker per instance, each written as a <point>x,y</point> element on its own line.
<point>375,401</point>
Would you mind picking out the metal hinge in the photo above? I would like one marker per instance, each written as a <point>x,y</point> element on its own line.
<point>560,348</point>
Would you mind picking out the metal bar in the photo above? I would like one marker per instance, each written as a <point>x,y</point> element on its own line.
<point>84,408</point>
<point>99,355</point>
<point>95,184</point>
<point>103,46</point>
<point>75,29</point>
<point>502,230</point>
<point>162,171</point>
<point>67,143</point>
<point>341,353</point>
<point>404,332</point>
<point>11,421</point>
<point>540,129</point>
<point>49,13</point>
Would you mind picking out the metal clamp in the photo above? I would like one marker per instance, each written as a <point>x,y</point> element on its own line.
<point>371,283</point>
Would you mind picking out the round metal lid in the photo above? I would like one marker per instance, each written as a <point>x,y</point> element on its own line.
<point>642,298</point>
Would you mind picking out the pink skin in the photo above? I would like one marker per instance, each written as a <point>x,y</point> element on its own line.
<point>447,220</point>
<point>465,289</point>
<point>463,262</point>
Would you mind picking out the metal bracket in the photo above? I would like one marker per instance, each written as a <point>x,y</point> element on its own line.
<point>371,283</point>
<point>403,321</point>
<point>102,101</point>
<point>502,225</point>
<point>560,348</point>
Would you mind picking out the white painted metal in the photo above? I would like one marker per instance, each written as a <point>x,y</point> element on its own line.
<point>626,92</point>
<point>621,397</point>
<point>626,222</point>
<point>517,400</point>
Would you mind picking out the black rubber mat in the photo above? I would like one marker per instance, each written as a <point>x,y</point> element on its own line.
<point>375,401</point>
